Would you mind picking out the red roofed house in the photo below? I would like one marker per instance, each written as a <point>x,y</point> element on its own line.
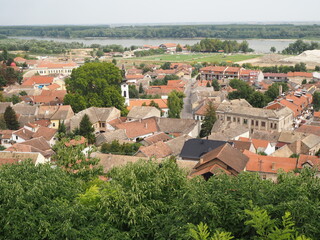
<point>268,166</point>
<point>298,77</point>
<point>139,129</point>
<point>162,103</point>
<point>219,72</point>
<point>223,159</point>
<point>38,81</point>
<point>276,77</point>
<point>260,145</point>
<point>251,75</point>
<point>169,47</point>
<point>46,68</point>
<point>19,60</point>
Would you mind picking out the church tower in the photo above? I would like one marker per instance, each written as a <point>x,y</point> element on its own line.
<point>125,92</point>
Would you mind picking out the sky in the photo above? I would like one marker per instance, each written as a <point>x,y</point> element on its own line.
<point>90,12</point>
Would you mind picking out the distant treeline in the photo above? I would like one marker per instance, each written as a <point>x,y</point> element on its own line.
<point>300,46</point>
<point>231,31</point>
<point>216,45</point>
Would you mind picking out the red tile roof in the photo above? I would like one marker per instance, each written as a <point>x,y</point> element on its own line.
<point>269,164</point>
<point>163,103</point>
<point>38,80</point>
<point>134,76</point>
<point>139,128</point>
<point>300,74</point>
<point>46,64</point>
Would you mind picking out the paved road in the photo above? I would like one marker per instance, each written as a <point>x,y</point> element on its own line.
<point>187,109</point>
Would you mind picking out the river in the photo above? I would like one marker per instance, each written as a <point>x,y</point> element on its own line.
<point>259,45</point>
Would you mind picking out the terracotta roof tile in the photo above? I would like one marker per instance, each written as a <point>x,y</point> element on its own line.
<point>158,150</point>
<point>139,128</point>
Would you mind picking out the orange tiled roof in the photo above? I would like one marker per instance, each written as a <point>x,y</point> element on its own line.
<point>257,143</point>
<point>300,74</point>
<point>53,86</point>
<point>269,164</point>
<point>19,59</point>
<point>316,114</point>
<point>213,69</point>
<point>38,80</point>
<point>158,150</point>
<point>134,76</point>
<point>139,128</point>
<point>163,103</point>
<point>46,64</point>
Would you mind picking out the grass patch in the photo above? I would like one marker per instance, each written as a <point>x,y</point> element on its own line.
<point>200,57</point>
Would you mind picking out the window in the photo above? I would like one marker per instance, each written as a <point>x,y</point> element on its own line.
<point>238,120</point>
<point>252,122</point>
<point>234,119</point>
<point>245,121</point>
<point>275,126</point>
<point>16,137</point>
<point>264,176</point>
<point>229,119</point>
<point>257,123</point>
<point>125,94</point>
<point>53,124</point>
<point>271,125</point>
<point>263,124</point>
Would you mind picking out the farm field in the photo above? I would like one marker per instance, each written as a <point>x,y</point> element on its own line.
<point>200,57</point>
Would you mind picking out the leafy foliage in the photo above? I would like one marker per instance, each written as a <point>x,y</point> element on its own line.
<point>122,149</point>
<point>94,84</point>
<point>175,104</point>
<point>86,129</point>
<point>209,120</point>
<point>11,119</point>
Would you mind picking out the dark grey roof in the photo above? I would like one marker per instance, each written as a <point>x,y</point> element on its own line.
<point>195,148</point>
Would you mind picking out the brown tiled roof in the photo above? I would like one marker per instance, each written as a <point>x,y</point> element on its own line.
<point>157,138</point>
<point>134,76</point>
<point>139,128</point>
<point>309,129</point>
<point>241,145</point>
<point>47,133</point>
<point>74,142</point>
<point>24,133</point>
<point>38,79</point>
<point>6,134</point>
<point>158,150</point>
<point>227,154</point>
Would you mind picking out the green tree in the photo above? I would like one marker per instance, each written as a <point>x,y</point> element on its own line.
<point>175,104</point>
<point>178,48</point>
<point>215,85</point>
<point>100,53</point>
<point>208,84</point>
<point>304,81</point>
<point>166,65</point>
<point>258,99</point>
<point>141,90</point>
<point>133,92</point>
<point>273,49</point>
<point>273,91</point>
<point>114,61</point>
<point>94,84</point>
<point>86,129</point>
<point>317,68</point>
<point>316,101</point>
<point>11,119</point>
<point>209,119</point>
<point>76,161</point>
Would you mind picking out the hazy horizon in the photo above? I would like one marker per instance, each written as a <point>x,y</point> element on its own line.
<point>165,12</point>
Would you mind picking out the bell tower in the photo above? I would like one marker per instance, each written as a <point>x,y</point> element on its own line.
<point>125,92</point>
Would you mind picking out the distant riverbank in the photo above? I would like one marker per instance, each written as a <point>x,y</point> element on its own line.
<point>259,45</point>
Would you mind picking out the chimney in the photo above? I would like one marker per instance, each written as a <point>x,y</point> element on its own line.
<point>201,160</point>
<point>146,125</point>
<point>273,166</point>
